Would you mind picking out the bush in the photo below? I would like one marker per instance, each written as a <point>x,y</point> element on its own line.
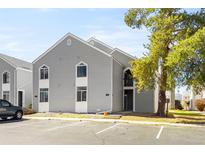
<point>200,104</point>
<point>178,105</point>
<point>27,111</point>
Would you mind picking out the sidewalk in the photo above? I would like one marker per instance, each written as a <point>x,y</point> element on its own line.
<point>115,121</point>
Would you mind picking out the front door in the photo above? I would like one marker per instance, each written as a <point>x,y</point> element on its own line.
<point>20,98</point>
<point>128,100</point>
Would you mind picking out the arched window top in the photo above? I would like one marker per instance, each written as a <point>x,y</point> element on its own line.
<point>6,77</point>
<point>81,69</point>
<point>128,79</point>
<point>44,72</point>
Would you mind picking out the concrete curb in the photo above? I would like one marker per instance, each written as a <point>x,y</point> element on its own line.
<point>115,121</point>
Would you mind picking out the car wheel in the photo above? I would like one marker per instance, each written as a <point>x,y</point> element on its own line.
<point>4,118</point>
<point>19,115</point>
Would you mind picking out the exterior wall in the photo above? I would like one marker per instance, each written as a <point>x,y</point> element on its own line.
<point>145,102</point>
<point>123,59</point>
<point>117,87</point>
<point>100,46</point>
<point>62,61</point>
<point>24,83</point>
<point>4,66</point>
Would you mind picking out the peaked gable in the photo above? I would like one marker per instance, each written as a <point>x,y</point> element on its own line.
<point>16,63</point>
<point>65,37</point>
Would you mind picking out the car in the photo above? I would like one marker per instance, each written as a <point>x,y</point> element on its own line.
<point>7,109</point>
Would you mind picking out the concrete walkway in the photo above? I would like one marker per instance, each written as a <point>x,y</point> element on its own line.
<point>115,120</point>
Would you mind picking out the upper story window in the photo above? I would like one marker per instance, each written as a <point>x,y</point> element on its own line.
<point>128,80</point>
<point>6,78</point>
<point>44,72</point>
<point>81,70</point>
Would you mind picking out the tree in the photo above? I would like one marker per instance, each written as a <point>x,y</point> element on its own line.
<point>167,27</point>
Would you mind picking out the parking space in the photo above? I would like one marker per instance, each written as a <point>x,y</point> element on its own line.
<point>90,132</point>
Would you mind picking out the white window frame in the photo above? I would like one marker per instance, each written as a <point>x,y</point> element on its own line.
<point>8,95</point>
<point>40,95</point>
<point>81,93</point>
<point>78,65</point>
<point>8,77</point>
<point>41,67</point>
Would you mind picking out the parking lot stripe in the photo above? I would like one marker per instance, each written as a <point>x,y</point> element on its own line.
<point>159,133</point>
<point>68,125</point>
<point>107,128</point>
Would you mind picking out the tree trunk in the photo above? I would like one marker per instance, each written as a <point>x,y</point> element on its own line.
<point>161,103</point>
<point>162,92</point>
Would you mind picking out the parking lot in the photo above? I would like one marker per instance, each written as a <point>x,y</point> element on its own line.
<point>88,132</point>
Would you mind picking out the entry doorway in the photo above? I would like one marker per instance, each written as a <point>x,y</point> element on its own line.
<point>20,98</point>
<point>128,100</point>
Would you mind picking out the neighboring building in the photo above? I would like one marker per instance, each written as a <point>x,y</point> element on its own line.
<point>16,80</point>
<point>86,76</point>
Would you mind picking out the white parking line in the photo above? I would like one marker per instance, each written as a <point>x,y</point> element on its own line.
<point>159,133</point>
<point>107,128</point>
<point>68,125</point>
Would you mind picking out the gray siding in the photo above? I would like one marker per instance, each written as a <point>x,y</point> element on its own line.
<point>117,87</point>
<point>62,62</point>
<point>24,82</point>
<point>7,67</point>
<point>144,102</point>
<point>101,46</point>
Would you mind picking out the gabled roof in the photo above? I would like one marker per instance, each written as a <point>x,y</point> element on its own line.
<point>99,44</point>
<point>75,37</point>
<point>16,63</point>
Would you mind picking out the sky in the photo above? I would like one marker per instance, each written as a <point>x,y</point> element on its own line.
<point>27,33</point>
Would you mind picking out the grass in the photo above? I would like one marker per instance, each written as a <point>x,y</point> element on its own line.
<point>174,116</point>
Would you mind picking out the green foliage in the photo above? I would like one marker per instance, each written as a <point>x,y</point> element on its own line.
<point>177,39</point>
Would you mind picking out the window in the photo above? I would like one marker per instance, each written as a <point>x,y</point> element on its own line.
<point>44,95</point>
<point>6,77</point>
<point>6,95</point>
<point>81,94</point>
<point>44,73</point>
<point>5,103</point>
<point>81,70</point>
<point>128,80</point>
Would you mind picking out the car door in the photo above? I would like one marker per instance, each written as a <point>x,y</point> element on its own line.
<point>6,108</point>
<point>2,110</point>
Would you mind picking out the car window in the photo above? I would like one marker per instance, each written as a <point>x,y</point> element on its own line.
<point>5,104</point>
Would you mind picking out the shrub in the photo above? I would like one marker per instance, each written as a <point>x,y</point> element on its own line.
<point>200,104</point>
<point>178,105</point>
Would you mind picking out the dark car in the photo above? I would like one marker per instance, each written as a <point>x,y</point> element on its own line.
<point>9,110</point>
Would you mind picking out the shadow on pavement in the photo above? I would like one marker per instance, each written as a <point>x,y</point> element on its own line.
<point>12,121</point>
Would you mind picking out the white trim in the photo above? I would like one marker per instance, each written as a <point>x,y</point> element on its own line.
<point>86,78</point>
<point>9,94</point>
<point>128,88</point>
<point>40,87</point>
<point>111,95</point>
<point>9,84</point>
<point>39,95</point>
<point>3,77</point>
<point>61,40</point>
<point>8,62</point>
<point>39,70</point>
<point>23,69</point>
<point>100,42</point>
<point>15,85</point>
<point>117,61</point>
<point>125,53</point>
<point>23,103</point>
